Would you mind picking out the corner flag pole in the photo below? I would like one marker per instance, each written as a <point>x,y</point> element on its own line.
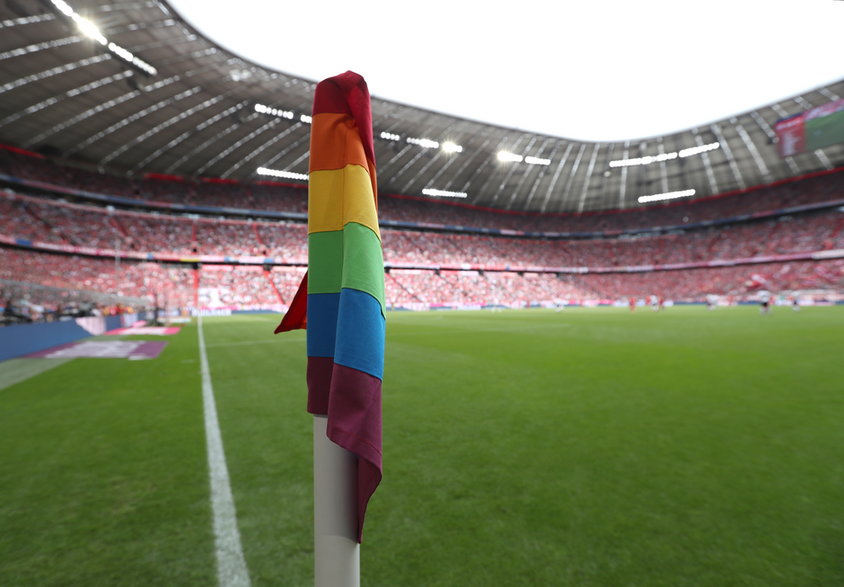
<point>336,550</point>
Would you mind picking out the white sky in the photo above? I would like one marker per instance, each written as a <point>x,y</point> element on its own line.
<point>581,69</point>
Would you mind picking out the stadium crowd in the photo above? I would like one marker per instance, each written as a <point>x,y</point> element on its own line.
<point>80,279</point>
<point>425,268</point>
<point>49,221</point>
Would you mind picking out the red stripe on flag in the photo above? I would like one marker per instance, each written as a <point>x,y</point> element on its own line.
<point>297,315</point>
<point>350,96</point>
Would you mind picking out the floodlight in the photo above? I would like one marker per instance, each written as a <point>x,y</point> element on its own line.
<point>507,156</point>
<point>283,174</point>
<point>443,193</point>
<point>667,196</point>
<point>90,30</point>
<point>701,149</point>
<point>424,143</point>
<point>537,161</point>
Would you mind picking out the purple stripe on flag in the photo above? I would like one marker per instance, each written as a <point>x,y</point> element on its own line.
<point>319,384</point>
<point>352,401</point>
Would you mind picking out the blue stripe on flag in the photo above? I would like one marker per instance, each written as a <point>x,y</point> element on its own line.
<point>322,323</point>
<point>360,333</point>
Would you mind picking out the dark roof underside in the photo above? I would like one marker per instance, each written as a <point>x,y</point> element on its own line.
<point>63,95</point>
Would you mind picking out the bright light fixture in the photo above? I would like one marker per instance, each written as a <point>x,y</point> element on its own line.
<point>90,30</point>
<point>389,136</point>
<point>701,149</point>
<point>451,147</point>
<point>283,174</point>
<point>507,156</point>
<point>537,161</point>
<point>424,143</point>
<point>64,7</point>
<point>667,196</point>
<point>647,160</point>
<point>443,193</point>
<point>270,111</point>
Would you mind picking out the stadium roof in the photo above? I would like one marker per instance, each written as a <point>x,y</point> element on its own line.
<point>142,91</point>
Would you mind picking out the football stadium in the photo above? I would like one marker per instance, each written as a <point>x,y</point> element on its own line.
<point>265,325</point>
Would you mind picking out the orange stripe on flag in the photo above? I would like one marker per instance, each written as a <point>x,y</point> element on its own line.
<point>335,143</point>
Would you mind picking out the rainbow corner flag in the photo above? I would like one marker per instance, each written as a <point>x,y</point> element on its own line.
<point>341,299</point>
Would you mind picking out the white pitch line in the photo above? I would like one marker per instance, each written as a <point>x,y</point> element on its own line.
<point>231,566</point>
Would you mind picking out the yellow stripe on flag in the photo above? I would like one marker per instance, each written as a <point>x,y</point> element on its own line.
<point>353,184</point>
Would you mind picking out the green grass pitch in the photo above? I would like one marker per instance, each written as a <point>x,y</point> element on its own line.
<point>584,447</point>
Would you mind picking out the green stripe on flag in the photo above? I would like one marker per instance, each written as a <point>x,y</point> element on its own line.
<point>351,258</point>
<point>325,261</point>
<point>363,263</point>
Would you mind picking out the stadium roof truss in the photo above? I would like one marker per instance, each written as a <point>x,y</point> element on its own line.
<point>144,92</point>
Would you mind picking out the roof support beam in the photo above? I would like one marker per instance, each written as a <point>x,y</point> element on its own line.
<point>588,177</point>
<point>751,146</point>
<point>728,153</point>
<point>554,179</point>
<point>537,178</point>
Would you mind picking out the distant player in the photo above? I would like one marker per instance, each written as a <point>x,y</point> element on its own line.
<point>764,302</point>
<point>711,299</point>
<point>795,303</point>
<point>632,302</point>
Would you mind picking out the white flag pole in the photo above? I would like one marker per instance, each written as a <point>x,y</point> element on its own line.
<point>336,550</point>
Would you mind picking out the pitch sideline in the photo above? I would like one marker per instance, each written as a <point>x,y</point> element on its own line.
<point>231,565</point>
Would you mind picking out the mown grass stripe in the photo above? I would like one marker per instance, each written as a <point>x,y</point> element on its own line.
<point>16,370</point>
